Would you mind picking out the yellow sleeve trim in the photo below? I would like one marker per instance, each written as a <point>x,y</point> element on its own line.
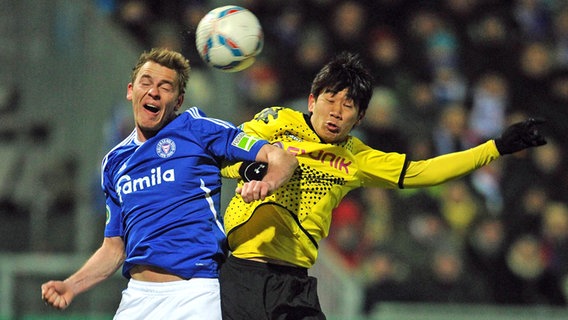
<point>230,170</point>
<point>449,166</point>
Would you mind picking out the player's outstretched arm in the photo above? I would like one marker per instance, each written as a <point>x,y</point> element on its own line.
<point>273,167</point>
<point>517,137</point>
<point>102,264</point>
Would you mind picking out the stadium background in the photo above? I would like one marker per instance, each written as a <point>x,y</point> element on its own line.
<point>449,74</point>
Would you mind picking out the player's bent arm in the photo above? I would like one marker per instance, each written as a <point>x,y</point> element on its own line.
<point>101,265</point>
<point>450,166</point>
<point>281,165</point>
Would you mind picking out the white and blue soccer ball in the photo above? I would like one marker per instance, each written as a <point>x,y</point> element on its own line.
<point>229,38</point>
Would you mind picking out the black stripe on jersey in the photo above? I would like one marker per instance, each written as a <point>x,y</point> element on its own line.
<point>309,123</point>
<point>314,242</point>
<point>403,173</point>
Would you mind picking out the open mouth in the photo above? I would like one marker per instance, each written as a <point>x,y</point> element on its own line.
<point>332,127</point>
<point>151,108</point>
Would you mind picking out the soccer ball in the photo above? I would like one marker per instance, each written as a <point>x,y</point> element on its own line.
<point>229,38</point>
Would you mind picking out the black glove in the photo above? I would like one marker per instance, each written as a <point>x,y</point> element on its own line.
<point>520,136</point>
<point>253,170</point>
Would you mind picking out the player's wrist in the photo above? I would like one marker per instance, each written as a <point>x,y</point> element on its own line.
<point>252,170</point>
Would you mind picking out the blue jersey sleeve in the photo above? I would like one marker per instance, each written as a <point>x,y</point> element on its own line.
<point>224,140</point>
<point>113,222</point>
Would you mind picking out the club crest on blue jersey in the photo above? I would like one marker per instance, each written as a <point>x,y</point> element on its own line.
<point>166,148</point>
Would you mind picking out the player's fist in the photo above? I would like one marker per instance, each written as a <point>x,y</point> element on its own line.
<point>520,136</point>
<point>253,190</point>
<point>58,294</point>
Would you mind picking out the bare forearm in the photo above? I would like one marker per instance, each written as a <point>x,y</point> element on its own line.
<point>101,265</point>
<point>281,167</point>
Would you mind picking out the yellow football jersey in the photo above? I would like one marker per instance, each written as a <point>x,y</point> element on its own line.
<point>289,224</point>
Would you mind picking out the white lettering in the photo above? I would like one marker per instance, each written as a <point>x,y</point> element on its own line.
<point>126,184</point>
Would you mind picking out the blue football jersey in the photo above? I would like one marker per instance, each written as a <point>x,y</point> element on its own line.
<point>163,195</point>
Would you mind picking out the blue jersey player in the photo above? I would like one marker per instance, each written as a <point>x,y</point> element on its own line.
<point>162,186</point>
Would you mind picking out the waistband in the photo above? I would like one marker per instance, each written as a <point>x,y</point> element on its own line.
<point>295,271</point>
<point>171,286</point>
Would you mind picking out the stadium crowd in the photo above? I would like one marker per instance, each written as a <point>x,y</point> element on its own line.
<point>449,74</point>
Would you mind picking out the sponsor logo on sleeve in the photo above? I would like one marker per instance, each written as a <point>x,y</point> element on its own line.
<point>244,141</point>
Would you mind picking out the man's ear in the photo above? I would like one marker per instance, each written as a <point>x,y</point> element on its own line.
<point>179,102</point>
<point>359,119</point>
<point>129,91</point>
<point>311,102</point>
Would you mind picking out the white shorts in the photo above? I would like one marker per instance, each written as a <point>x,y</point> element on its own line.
<point>197,299</point>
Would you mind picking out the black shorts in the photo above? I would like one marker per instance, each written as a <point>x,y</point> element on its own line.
<point>253,290</point>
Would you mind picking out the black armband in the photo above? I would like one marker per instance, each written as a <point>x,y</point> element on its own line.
<point>252,170</point>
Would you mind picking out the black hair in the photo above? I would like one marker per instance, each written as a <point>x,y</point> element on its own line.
<point>346,70</point>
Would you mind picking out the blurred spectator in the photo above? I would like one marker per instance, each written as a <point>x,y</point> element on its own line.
<point>347,26</point>
<point>431,44</point>
<point>419,111</point>
<point>381,128</point>
<point>260,85</point>
<point>489,106</point>
<point>387,61</point>
<point>449,86</point>
<point>379,229</point>
<point>529,281</point>
<point>545,168</point>
<point>484,250</point>
<point>554,108</point>
<point>526,217</point>
<point>462,14</point>
<point>446,280</point>
<point>531,81</point>
<point>428,232</point>
<point>487,183</point>
<point>345,235</point>
<point>451,131</point>
<point>534,19</point>
<point>493,44</point>
<point>560,38</point>
<point>287,30</point>
<point>165,34</point>
<point>550,165</point>
<point>136,16</point>
<point>387,280</point>
<point>458,207</point>
<point>555,237</point>
<point>301,67</point>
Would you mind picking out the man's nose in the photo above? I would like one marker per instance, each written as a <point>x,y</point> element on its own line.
<point>154,92</point>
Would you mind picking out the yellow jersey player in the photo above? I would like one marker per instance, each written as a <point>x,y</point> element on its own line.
<point>275,241</point>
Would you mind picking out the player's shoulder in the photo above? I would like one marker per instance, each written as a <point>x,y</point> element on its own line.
<point>278,113</point>
<point>126,144</point>
<point>356,145</point>
<point>196,118</point>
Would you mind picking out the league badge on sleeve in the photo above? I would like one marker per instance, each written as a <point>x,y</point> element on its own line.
<point>244,141</point>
